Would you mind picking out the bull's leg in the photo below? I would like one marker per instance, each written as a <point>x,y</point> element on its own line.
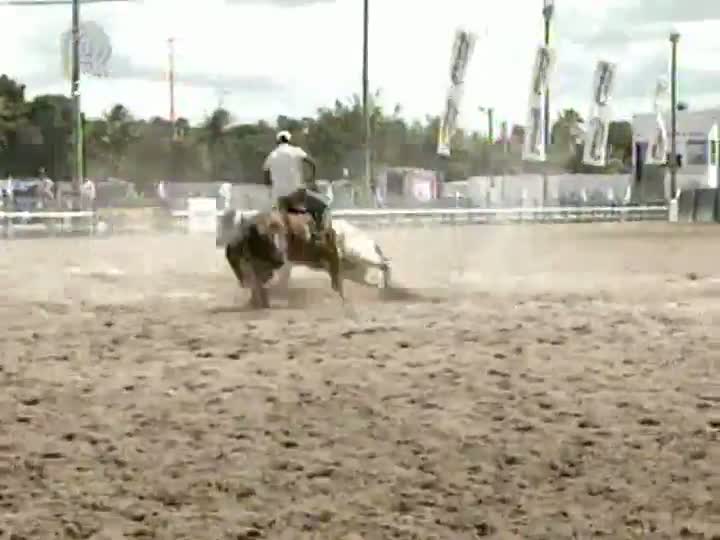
<point>334,263</point>
<point>264,297</point>
<point>259,298</point>
<point>283,283</point>
<point>233,257</point>
<point>386,278</point>
<point>282,274</point>
<point>261,275</point>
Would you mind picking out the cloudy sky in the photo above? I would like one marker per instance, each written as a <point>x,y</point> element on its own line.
<point>271,57</point>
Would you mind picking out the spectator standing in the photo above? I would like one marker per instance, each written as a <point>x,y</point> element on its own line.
<point>225,193</point>
<point>162,193</point>
<point>9,193</point>
<point>628,195</point>
<point>611,196</point>
<point>88,194</point>
<point>47,188</point>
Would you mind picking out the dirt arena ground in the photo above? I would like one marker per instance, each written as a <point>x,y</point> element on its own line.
<point>551,382</point>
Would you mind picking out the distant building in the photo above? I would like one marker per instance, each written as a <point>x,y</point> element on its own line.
<point>402,186</point>
<point>697,144</point>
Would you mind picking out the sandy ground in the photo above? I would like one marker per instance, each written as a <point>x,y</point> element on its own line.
<point>552,382</point>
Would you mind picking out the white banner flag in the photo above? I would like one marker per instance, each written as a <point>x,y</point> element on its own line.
<point>596,135</point>
<point>462,50</point>
<point>448,122</point>
<point>94,50</point>
<point>534,145</point>
<point>658,146</point>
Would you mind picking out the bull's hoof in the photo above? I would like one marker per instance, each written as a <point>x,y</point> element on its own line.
<point>259,303</point>
<point>385,278</point>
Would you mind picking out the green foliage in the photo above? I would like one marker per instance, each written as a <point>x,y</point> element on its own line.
<point>567,144</point>
<point>38,134</point>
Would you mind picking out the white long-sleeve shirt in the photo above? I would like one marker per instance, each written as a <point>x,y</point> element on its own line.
<point>89,192</point>
<point>285,164</point>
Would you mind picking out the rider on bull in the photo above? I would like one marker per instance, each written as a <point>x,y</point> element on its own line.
<point>283,172</point>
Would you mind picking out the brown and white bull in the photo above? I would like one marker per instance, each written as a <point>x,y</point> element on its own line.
<point>257,247</point>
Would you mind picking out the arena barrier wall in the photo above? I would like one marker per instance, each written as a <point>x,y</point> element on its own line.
<point>147,219</point>
<point>49,222</point>
<point>705,204</point>
<point>474,216</point>
<point>142,219</point>
<point>697,205</point>
<point>686,206</point>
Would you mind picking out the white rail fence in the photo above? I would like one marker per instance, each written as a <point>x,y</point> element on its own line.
<point>205,220</point>
<point>53,222</point>
<point>474,216</point>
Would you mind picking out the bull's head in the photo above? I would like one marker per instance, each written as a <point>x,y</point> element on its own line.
<point>270,224</point>
<point>228,228</point>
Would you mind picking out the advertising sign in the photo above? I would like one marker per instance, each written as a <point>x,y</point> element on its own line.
<point>534,145</point>
<point>596,135</point>
<point>95,50</point>
<point>462,50</point>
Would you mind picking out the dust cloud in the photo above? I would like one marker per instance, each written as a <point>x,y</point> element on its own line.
<point>548,382</point>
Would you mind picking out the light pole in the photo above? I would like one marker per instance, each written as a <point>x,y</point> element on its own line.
<point>79,134</point>
<point>674,38</point>
<point>490,112</point>
<point>366,100</point>
<point>172,166</point>
<point>548,8</point>
<point>171,83</point>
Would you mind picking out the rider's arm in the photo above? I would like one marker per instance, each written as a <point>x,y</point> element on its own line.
<point>313,169</point>
<point>267,179</point>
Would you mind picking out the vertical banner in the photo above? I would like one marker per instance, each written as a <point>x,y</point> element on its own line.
<point>94,48</point>
<point>712,156</point>
<point>462,50</point>
<point>505,137</point>
<point>534,145</point>
<point>596,135</point>
<point>658,146</point>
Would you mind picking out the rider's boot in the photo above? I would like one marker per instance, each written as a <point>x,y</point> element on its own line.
<point>319,214</point>
<point>317,226</point>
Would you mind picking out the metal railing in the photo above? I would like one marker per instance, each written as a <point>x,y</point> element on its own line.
<point>86,221</point>
<point>469,216</point>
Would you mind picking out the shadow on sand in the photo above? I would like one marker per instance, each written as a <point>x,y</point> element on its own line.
<point>298,298</point>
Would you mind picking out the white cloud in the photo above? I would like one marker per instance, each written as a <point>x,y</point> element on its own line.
<point>291,56</point>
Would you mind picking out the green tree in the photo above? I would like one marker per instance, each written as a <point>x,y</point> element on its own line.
<point>620,140</point>
<point>213,132</point>
<point>111,137</point>
<point>13,121</point>
<point>248,145</point>
<point>52,114</point>
<point>39,134</point>
<point>566,132</point>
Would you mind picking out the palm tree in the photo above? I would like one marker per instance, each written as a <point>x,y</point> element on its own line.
<point>213,132</point>
<point>52,114</point>
<point>567,131</point>
<point>13,119</point>
<point>113,135</point>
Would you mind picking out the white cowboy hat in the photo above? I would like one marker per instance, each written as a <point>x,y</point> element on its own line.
<point>283,135</point>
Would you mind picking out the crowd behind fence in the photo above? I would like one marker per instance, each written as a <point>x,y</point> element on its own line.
<point>517,191</point>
